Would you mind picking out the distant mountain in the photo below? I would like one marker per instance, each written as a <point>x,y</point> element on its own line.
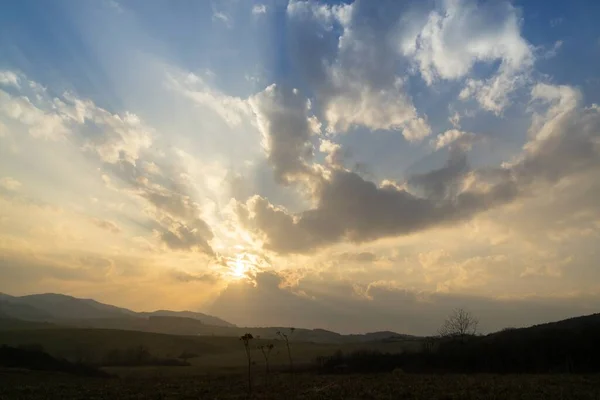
<point>61,306</point>
<point>13,309</point>
<point>68,310</point>
<point>206,319</point>
<point>383,335</point>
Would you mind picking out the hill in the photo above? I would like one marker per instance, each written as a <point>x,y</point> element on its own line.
<point>60,308</point>
<point>68,311</point>
<point>567,346</point>
<point>204,318</point>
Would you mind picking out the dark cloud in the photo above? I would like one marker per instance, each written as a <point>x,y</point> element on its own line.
<point>351,208</point>
<point>284,121</point>
<point>188,237</point>
<point>443,183</point>
<point>348,207</point>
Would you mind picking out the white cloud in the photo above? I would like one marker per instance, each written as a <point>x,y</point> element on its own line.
<point>493,94</point>
<point>355,75</point>
<point>43,124</point>
<point>333,152</point>
<point>452,136</point>
<point>464,33</point>
<point>68,117</point>
<point>9,78</point>
<point>222,17</point>
<point>553,51</point>
<point>454,119</point>
<point>233,110</point>
<point>258,9</point>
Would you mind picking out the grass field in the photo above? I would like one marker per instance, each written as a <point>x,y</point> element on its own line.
<point>29,385</point>
<point>91,345</point>
<point>218,372</point>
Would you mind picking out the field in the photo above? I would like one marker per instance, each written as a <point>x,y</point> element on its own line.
<point>217,370</point>
<point>30,385</point>
<point>91,345</point>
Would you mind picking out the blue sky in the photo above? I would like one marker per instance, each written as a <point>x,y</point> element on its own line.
<point>341,150</point>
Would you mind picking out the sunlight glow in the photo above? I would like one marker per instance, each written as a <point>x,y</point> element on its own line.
<point>239,271</point>
<point>238,267</point>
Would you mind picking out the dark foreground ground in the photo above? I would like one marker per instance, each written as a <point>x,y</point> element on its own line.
<point>36,385</point>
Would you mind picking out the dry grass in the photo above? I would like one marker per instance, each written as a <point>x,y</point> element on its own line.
<point>27,385</point>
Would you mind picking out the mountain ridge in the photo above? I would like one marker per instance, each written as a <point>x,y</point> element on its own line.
<point>69,311</point>
<point>60,306</point>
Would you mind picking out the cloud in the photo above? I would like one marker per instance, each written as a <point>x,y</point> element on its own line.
<point>553,51</point>
<point>233,110</point>
<point>19,268</point>
<point>352,72</point>
<point>40,123</point>
<point>177,217</point>
<point>333,151</point>
<point>284,120</point>
<point>462,33</point>
<point>445,183</point>
<point>111,136</point>
<point>352,208</point>
<point>122,143</point>
<point>187,277</point>
<point>107,225</point>
<point>10,184</point>
<point>362,257</point>
<point>453,137</point>
<point>9,78</point>
<point>194,235</point>
<point>222,17</point>
<point>258,9</point>
<point>564,141</point>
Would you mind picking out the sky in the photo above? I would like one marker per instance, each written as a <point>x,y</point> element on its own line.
<point>352,166</point>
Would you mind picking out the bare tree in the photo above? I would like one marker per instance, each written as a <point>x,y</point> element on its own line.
<point>460,323</point>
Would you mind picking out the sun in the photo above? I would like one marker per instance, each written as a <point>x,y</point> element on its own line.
<point>238,268</point>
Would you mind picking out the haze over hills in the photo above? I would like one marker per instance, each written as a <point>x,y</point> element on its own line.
<point>68,311</point>
<point>52,307</point>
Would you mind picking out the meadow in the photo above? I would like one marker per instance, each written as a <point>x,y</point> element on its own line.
<point>555,361</point>
<point>209,352</point>
<point>35,385</point>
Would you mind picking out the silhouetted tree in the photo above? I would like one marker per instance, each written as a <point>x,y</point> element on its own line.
<point>460,323</point>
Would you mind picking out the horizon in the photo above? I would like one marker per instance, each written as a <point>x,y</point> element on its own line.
<point>347,165</point>
<point>364,332</point>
